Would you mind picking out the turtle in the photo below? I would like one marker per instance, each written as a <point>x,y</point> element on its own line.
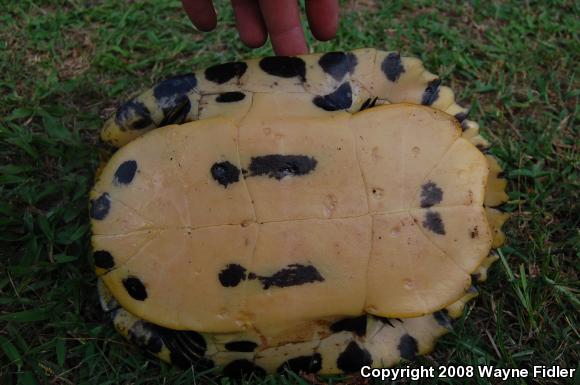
<point>314,213</point>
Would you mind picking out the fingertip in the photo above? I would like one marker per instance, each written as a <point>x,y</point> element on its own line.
<point>201,13</point>
<point>249,23</point>
<point>322,18</point>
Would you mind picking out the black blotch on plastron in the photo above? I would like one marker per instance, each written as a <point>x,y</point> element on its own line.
<point>292,275</point>
<point>125,172</point>
<point>284,66</point>
<point>144,335</point>
<point>230,97</point>
<point>241,346</point>
<point>461,116</point>
<point>232,275</point>
<point>280,166</point>
<point>306,364</point>
<point>99,208</point>
<point>135,288</point>
<point>222,73</point>
<point>357,325</point>
<point>434,222</point>
<point>239,368</point>
<point>340,99</point>
<point>392,66</point>
<point>338,64</point>
<point>225,173</point>
<point>353,358</point>
<point>408,347</point>
<point>474,232</point>
<point>431,194</point>
<point>431,93</point>
<point>442,318</point>
<point>136,110</point>
<point>103,259</point>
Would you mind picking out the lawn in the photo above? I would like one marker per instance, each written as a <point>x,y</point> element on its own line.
<point>65,66</point>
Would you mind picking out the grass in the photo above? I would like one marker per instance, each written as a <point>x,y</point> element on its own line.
<point>66,64</point>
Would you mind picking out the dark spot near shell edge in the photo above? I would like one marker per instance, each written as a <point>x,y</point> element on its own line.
<point>353,358</point>
<point>340,99</point>
<point>125,172</point>
<point>239,368</point>
<point>221,73</point>
<point>99,208</point>
<point>431,92</point>
<point>306,364</point>
<point>338,64</point>
<point>392,66</point>
<point>284,67</point>
<point>103,259</point>
<point>230,97</point>
<point>357,325</point>
<point>241,346</point>
<point>135,288</point>
<point>408,347</point>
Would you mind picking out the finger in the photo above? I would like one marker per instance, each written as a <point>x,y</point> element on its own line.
<point>282,18</point>
<point>201,13</point>
<point>249,22</point>
<point>322,18</point>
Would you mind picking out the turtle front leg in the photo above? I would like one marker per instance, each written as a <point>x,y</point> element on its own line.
<point>172,101</point>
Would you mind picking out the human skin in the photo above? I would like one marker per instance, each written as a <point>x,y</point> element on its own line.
<point>279,19</point>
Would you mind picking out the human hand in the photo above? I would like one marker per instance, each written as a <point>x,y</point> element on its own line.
<point>280,19</point>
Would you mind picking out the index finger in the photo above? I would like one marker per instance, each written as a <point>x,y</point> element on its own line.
<point>282,20</point>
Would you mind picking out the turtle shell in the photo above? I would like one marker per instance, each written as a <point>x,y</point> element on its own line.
<point>282,212</point>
